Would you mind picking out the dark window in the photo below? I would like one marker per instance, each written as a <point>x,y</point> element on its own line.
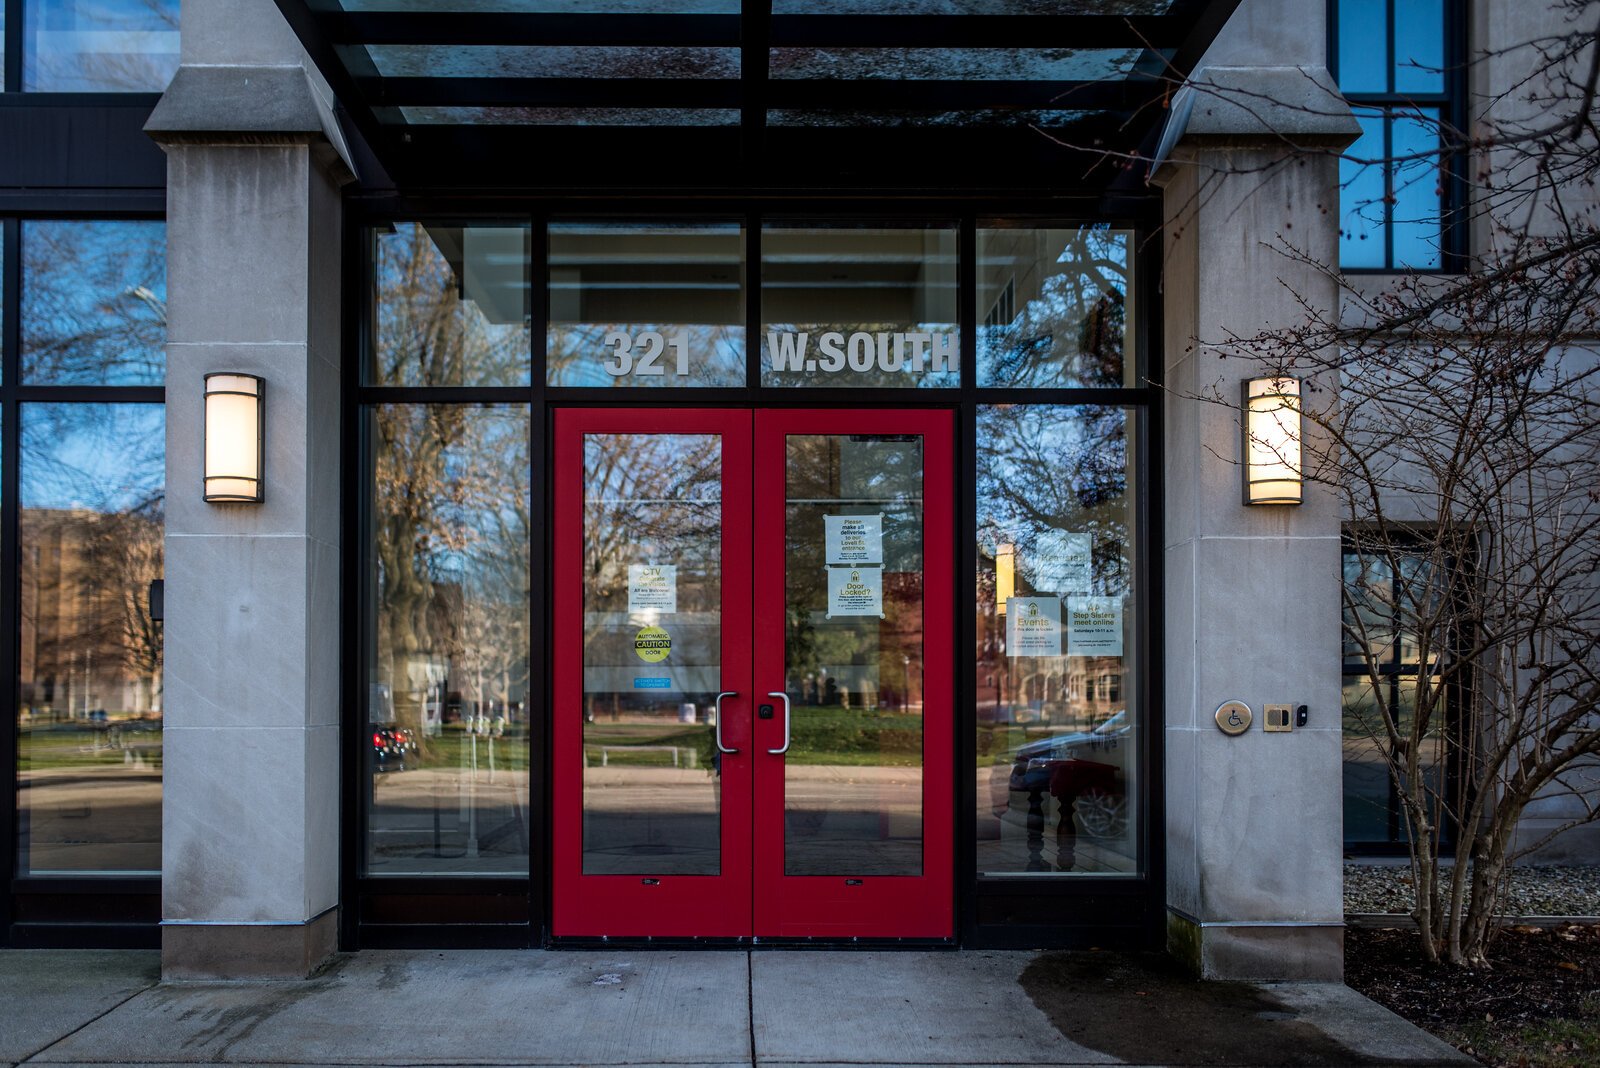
<point>1399,64</point>
<point>1385,663</point>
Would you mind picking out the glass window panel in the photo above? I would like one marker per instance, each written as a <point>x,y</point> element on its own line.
<point>1053,307</point>
<point>520,116</point>
<point>652,776</point>
<point>553,7</point>
<point>981,118</point>
<point>1361,196</point>
<point>1363,45</point>
<point>452,304</point>
<point>1418,46</point>
<point>552,61</point>
<point>1418,190</point>
<point>961,64</point>
<point>853,773</point>
<point>859,306</point>
<point>1058,717</point>
<point>1367,812</point>
<point>636,304</point>
<point>1368,585</point>
<point>90,672</point>
<point>970,7</point>
<point>99,46</point>
<point>94,302</point>
<point>446,743</point>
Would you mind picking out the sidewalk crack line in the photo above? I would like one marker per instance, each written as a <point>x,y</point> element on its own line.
<point>54,1042</point>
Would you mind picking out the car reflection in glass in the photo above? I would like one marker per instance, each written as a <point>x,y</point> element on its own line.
<point>391,745</point>
<point>1083,770</point>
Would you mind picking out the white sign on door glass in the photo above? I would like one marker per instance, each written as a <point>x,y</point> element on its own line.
<point>1064,561</point>
<point>855,591</point>
<point>1033,626</point>
<point>1094,626</point>
<point>854,539</point>
<point>910,351</point>
<point>652,587</point>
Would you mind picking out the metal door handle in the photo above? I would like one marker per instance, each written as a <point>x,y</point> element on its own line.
<point>720,747</point>
<point>780,695</point>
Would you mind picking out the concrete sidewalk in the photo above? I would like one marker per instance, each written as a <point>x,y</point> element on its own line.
<point>712,1007</point>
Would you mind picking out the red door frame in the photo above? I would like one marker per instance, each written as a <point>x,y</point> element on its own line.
<point>670,906</point>
<point>835,906</point>
<point>752,895</point>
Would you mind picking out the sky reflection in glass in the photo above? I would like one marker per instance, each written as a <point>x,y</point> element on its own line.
<point>99,46</point>
<point>94,302</point>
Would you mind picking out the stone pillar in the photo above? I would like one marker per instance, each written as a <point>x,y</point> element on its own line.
<point>1254,822</point>
<point>250,826</point>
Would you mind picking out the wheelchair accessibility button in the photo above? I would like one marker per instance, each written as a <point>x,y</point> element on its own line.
<point>1233,717</point>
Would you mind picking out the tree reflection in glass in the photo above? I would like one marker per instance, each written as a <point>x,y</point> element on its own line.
<point>853,774</point>
<point>1053,307</point>
<point>446,741</point>
<point>451,306</point>
<point>94,303</point>
<point>1057,718</point>
<point>90,678</point>
<point>652,653</point>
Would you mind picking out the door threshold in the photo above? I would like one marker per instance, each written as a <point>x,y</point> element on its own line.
<point>645,942</point>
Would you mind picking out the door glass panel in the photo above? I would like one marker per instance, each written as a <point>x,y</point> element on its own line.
<point>853,638</point>
<point>652,653</point>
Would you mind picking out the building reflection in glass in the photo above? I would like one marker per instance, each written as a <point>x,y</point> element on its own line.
<point>94,302</point>
<point>446,742</point>
<point>89,727</point>
<point>1057,721</point>
<point>99,46</point>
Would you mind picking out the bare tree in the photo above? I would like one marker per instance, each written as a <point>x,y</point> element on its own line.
<point>1456,419</point>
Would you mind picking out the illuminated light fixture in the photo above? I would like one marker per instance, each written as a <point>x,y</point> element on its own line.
<point>1272,471</point>
<point>1005,575</point>
<point>233,429</point>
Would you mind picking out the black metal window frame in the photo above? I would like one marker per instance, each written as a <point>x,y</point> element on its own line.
<point>1458,696</point>
<point>1452,106</point>
<point>997,911</point>
<point>89,911</point>
<point>76,156</point>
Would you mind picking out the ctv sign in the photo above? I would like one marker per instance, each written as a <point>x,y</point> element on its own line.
<point>913,351</point>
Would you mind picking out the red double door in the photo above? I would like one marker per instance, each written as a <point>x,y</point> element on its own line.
<point>753,673</point>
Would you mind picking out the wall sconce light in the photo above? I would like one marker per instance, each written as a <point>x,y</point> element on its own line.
<point>1272,472</point>
<point>1005,575</point>
<point>233,432</point>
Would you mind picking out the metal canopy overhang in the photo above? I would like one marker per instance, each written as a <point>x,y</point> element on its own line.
<point>718,96</point>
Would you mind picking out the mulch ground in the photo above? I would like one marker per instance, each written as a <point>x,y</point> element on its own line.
<point>1537,1004</point>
